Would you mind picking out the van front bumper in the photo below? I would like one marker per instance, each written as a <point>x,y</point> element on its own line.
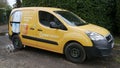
<point>100,48</point>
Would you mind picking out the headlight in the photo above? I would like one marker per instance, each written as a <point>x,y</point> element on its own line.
<point>95,36</point>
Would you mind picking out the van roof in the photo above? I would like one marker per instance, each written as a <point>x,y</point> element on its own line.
<point>39,8</point>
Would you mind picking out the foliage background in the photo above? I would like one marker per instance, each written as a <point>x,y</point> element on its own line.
<point>117,19</point>
<point>105,13</point>
<point>3,4</point>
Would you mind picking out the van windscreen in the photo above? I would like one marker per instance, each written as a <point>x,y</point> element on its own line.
<point>70,18</point>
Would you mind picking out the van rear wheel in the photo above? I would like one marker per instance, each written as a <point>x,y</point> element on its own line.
<point>17,42</point>
<point>74,52</point>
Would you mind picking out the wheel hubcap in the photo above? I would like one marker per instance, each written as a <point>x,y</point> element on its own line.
<point>75,52</point>
<point>16,42</point>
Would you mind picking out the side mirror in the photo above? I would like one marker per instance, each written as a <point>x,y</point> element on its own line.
<point>54,25</point>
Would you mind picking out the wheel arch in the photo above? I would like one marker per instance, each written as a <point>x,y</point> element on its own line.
<point>66,44</point>
<point>14,34</point>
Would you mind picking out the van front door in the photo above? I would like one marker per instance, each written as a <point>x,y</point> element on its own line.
<point>49,38</point>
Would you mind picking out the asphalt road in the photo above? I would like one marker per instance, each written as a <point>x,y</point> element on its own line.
<point>36,58</point>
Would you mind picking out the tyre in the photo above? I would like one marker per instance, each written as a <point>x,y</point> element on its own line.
<point>17,42</point>
<point>74,52</point>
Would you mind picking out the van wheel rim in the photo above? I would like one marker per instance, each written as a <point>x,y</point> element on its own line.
<point>75,52</point>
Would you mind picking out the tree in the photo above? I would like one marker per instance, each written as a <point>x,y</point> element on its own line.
<point>18,3</point>
<point>3,3</point>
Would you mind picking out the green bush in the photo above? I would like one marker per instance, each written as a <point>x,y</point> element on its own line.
<point>100,12</point>
<point>2,16</point>
<point>8,14</point>
<point>117,20</point>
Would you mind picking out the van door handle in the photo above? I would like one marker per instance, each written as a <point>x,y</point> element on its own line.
<point>39,30</point>
<point>32,29</point>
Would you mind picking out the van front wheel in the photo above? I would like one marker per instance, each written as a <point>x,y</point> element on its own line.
<point>75,52</point>
<point>17,42</point>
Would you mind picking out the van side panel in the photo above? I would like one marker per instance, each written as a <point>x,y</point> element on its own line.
<point>27,23</point>
<point>82,39</point>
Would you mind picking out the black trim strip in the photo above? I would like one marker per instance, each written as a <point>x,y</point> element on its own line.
<point>41,40</point>
<point>14,22</point>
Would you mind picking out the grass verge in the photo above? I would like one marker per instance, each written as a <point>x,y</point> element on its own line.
<point>117,40</point>
<point>117,59</point>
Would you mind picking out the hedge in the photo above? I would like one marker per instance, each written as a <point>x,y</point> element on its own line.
<point>117,20</point>
<point>2,16</point>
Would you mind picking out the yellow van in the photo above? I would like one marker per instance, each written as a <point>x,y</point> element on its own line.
<point>59,31</point>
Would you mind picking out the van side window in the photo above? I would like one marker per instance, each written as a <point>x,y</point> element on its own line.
<point>45,18</point>
<point>16,19</point>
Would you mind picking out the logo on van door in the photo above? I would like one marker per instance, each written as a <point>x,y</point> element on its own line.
<point>24,28</point>
<point>47,35</point>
